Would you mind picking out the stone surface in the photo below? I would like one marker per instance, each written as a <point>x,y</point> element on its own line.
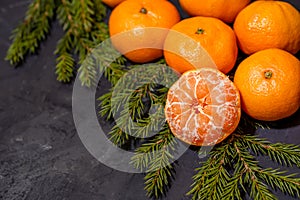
<point>41,155</point>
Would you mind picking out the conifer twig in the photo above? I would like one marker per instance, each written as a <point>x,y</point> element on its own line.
<point>155,157</point>
<point>34,28</point>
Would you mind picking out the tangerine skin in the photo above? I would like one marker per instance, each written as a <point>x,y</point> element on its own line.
<point>216,38</point>
<point>132,17</point>
<point>268,24</point>
<point>225,10</point>
<point>274,97</point>
<point>112,3</point>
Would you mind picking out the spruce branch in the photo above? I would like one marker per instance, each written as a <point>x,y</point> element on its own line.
<point>155,157</point>
<point>284,154</point>
<point>64,67</point>
<point>214,181</point>
<point>145,105</point>
<point>103,59</point>
<point>76,19</point>
<point>82,22</point>
<point>276,179</point>
<point>212,176</point>
<point>105,105</point>
<point>34,28</point>
<point>245,167</point>
<point>118,136</point>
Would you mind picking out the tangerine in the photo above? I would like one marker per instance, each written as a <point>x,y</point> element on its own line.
<point>203,107</point>
<point>269,84</point>
<point>132,18</point>
<point>226,10</point>
<point>216,37</point>
<point>112,3</point>
<point>268,24</point>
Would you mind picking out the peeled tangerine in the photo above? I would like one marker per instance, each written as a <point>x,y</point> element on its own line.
<point>203,107</point>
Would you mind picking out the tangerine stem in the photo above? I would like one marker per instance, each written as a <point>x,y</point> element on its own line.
<point>143,11</point>
<point>268,74</point>
<point>199,31</point>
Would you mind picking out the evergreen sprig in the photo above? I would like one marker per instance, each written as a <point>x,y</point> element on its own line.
<point>82,22</point>
<point>212,176</point>
<point>241,173</point>
<point>34,28</point>
<point>142,96</point>
<point>83,32</point>
<point>155,157</point>
<point>284,154</point>
<point>102,60</point>
<point>138,109</point>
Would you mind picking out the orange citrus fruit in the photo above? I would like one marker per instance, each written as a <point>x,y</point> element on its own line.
<point>112,3</point>
<point>268,24</point>
<point>203,107</point>
<point>269,84</point>
<point>133,17</point>
<point>216,37</point>
<point>226,10</point>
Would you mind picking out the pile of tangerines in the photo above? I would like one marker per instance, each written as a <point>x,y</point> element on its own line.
<point>204,106</point>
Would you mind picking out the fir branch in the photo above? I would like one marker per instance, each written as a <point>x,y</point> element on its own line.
<point>88,72</point>
<point>105,105</point>
<point>64,67</point>
<point>213,180</point>
<point>232,190</point>
<point>81,21</point>
<point>132,92</point>
<point>245,168</point>
<point>288,184</point>
<point>83,14</point>
<point>100,11</point>
<point>118,136</point>
<point>115,70</point>
<point>145,153</point>
<point>155,157</point>
<point>284,154</point>
<point>27,36</point>
<point>212,176</point>
<point>103,59</point>
<point>157,181</point>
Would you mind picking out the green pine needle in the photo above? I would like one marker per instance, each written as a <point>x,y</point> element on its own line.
<point>82,22</point>
<point>212,176</point>
<point>64,67</point>
<point>103,60</point>
<point>34,28</point>
<point>246,168</point>
<point>284,154</point>
<point>118,136</point>
<point>214,181</point>
<point>276,179</point>
<point>155,157</point>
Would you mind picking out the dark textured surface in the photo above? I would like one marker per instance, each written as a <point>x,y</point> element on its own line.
<point>41,155</point>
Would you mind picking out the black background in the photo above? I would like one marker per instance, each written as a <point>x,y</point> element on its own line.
<point>41,155</point>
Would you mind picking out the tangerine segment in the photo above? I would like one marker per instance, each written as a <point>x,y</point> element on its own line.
<point>203,107</point>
